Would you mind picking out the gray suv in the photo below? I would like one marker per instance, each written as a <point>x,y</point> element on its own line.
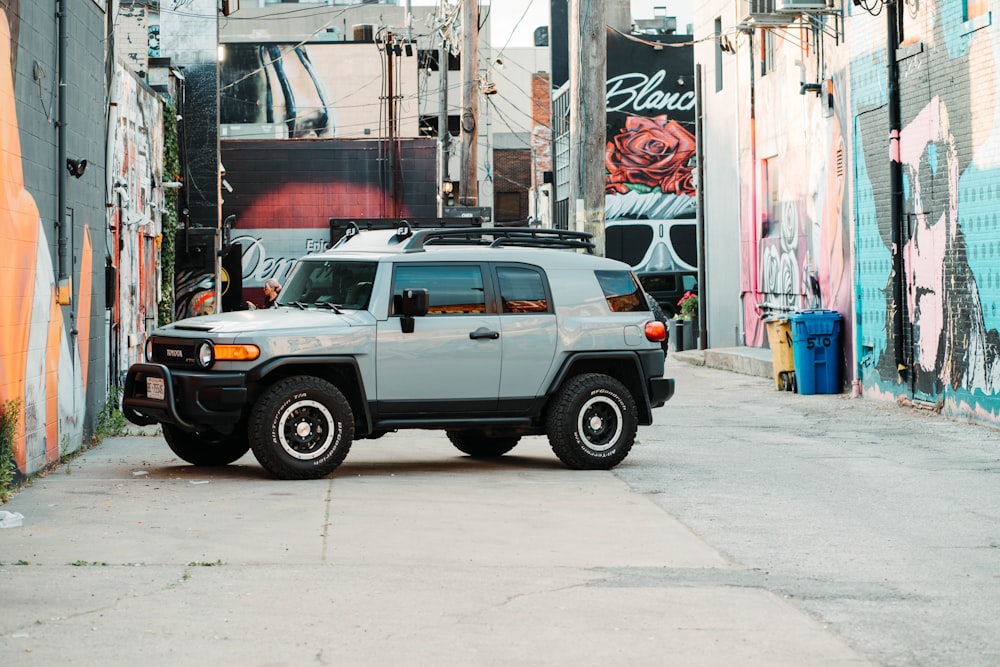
<point>489,334</point>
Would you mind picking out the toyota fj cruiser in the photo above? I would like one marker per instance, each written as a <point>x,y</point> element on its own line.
<point>489,334</point>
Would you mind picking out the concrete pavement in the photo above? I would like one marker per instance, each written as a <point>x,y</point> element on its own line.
<point>409,554</point>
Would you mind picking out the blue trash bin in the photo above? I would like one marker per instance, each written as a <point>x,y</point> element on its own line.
<point>816,351</point>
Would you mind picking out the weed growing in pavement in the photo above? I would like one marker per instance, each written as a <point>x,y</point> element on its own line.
<point>111,422</point>
<point>9,413</point>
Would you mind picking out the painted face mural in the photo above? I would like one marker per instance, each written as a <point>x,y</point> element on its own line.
<point>943,308</point>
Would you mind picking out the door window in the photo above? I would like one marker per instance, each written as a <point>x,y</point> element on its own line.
<point>454,289</point>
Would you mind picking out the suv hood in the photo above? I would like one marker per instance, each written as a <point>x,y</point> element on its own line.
<point>271,320</point>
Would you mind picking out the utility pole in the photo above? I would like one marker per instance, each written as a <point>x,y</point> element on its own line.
<point>469,187</point>
<point>588,76</point>
<point>391,103</point>
<point>444,138</point>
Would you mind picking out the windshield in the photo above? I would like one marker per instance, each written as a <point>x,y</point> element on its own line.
<point>329,283</point>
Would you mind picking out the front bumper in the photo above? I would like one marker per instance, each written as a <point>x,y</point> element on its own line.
<point>192,400</point>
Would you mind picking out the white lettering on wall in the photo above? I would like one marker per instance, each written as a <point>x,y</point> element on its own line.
<point>641,94</point>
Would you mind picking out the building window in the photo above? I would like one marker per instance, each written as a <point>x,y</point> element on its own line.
<point>772,197</point>
<point>972,9</point>
<point>718,55</point>
<point>766,52</point>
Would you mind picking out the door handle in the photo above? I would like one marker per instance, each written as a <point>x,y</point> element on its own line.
<point>483,332</point>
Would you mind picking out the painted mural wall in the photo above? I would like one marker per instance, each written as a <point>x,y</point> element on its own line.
<point>285,192</point>
<point>51,353</point>
<point>650,204</point>
<point>134,178</point>
<point>946,353</point>
<point>795,237</point>
<point>296,90</point>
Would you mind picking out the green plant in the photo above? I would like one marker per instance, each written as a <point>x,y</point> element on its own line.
<point>111,422</point>
<point>689,305</point>
<point>9,413</point>
<point>168,221</point>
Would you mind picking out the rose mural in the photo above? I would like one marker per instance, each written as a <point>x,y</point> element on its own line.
<point>650,153</point>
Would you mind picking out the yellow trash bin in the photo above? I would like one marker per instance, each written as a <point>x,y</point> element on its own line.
<point>779,337</point>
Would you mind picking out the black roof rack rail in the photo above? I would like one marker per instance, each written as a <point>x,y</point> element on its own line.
<point>495,237</point>
<point>342,228</point>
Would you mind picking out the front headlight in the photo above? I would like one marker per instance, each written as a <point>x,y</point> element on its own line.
<point>149,350</point>
<point>204,354</point>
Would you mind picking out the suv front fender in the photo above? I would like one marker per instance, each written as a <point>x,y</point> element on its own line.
<point>342,370</point>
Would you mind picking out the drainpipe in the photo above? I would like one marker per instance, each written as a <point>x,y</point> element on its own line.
<point>700,160</point>
<point>64,290</point>
<point>895,184</point>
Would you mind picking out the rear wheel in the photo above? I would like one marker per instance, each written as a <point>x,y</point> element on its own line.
<point>478,443</point>
<point>301,428</point>
<point>592,422</point>
<point>206,449</point>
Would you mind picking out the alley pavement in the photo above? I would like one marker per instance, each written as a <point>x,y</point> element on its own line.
<point>414,554</point>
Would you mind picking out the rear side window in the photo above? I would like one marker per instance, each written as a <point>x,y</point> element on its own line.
<point>622,291</point>
<point>455,289</point>
<point>522,290</point>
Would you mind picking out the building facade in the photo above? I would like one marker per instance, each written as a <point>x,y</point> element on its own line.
<point>53,355</point>
<point>854,144</point>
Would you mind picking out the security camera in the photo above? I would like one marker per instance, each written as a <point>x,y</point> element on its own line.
<point>76,167</point>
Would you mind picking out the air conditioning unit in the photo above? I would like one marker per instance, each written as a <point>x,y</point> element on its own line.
<point>801,5</point>
<point>763,13</point>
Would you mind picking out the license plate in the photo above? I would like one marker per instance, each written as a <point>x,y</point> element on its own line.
<point>154,388</point>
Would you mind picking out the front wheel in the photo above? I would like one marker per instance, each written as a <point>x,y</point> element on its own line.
<point>478,443</point>
<point>592,422</point>
<point>301,428</point>
<point>206,449</point>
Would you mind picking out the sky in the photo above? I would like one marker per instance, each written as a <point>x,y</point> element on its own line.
<point>513,22</point>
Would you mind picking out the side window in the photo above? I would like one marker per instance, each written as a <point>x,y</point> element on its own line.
<point>455,289</point>
<point>622,291</point>
<point>522,290</point>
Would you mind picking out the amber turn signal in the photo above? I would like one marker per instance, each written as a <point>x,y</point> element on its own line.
<point>236,352</point>
<point>656,331</point>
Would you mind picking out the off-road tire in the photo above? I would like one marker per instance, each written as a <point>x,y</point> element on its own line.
<point>592,422</point>
<point>301,428</point>
<point>481,444</point>
<point>206,449</point>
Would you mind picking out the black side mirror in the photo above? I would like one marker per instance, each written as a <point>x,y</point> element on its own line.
<point>412,303</point>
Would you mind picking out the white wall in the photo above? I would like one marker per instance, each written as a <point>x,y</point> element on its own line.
<point>721,187</point>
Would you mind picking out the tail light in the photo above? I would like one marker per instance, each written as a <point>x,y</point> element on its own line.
<point>656,331</point>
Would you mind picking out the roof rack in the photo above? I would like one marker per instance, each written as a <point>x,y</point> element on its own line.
<point>495,237</point>
<point>342,229</point>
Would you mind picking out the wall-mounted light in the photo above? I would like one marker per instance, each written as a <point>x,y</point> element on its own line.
<point>171,185</point>
<point>447,187</point>
<point>810,88</point>
<point>76,167</point>
<point>221,53</point>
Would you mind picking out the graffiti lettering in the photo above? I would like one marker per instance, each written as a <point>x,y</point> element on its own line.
<point>640,93</point>
<point>257,265</point>
<point>316,245</point>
